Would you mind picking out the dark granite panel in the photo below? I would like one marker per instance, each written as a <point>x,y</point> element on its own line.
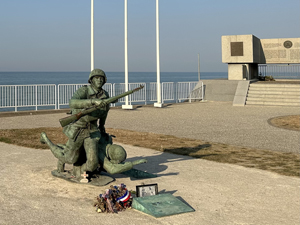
<point>237,48</point>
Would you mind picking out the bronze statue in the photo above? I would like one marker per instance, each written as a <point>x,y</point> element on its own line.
<point>88,144</point>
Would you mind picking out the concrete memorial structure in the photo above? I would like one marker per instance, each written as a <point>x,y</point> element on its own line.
<point>243,53</point>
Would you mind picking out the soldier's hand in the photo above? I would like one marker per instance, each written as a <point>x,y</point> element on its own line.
<point>98,103</point>
<point>140,161</point>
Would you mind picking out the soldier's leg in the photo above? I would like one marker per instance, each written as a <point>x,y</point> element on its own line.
<point>60,166</point>
<point>68,154</point>
<point>91,150</point>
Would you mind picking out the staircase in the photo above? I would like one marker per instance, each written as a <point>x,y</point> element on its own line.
<point>276,94</point>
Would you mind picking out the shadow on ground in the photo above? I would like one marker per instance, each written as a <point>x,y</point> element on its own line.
<point>157,164</point>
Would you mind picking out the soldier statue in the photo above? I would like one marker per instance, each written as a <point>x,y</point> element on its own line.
<point>88,144</point>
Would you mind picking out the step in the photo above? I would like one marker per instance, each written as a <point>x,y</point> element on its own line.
<point>273,99</point>
<point>273,96</point>
<point>272,103</point>
<point>275,85</point>
<point>297,89</point>
<point>250,91</point>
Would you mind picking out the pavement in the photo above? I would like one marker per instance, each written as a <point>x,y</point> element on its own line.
<point>219,193</point>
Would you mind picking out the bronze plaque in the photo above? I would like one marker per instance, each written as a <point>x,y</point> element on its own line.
<point>161,205</point>
<point>237,48</point>
<point>288,44</point>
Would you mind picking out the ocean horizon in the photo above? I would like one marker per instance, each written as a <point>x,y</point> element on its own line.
<point>27,78</point>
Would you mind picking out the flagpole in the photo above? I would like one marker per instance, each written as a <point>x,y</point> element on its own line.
<point>198,67</point>
<point>126,106</point>
<point>92,35</point>
<point>158,85</point>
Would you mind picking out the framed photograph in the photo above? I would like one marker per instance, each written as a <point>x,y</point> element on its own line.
<point>146,190</point>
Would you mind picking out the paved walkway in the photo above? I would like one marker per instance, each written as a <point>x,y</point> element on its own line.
<point>219,193</point>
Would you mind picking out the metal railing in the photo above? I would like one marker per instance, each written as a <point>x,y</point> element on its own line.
<point>186,91</point>
<point>139,96</point>
<point>15,96</point>
<point>152,92</point>
<point>280,71</point>
<point>66,91</point>
<point>168,92</point>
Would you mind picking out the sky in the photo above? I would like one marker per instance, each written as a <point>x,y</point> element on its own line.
<point>54,35</point>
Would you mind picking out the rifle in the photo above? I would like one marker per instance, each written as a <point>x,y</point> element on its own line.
<point>70,119</point>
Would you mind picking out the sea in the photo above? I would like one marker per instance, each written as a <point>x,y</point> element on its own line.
<point>27,78</point>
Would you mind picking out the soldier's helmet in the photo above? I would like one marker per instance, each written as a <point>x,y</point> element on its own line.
<point>116,153</point>
<point>97,72</point>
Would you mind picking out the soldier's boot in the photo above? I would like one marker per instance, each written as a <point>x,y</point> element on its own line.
<point>55,149</point>
<point>60,166</point>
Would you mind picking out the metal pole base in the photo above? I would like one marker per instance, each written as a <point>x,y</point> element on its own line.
<point>127,106</point>
<point>158,105</point>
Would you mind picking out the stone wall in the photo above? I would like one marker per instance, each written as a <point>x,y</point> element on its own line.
<point>282,50</point>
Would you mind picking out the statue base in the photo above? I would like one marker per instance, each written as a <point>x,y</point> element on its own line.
<point>96,179</point>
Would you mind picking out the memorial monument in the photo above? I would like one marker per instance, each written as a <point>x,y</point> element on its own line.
<point>89,148</point>
<point>243,53</point>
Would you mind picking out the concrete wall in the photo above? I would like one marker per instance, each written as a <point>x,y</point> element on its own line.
<point>281,50</point>
<point>242,71</point>
<point>219,90</point>
<point>257,50</point>
<point>240,49</point>
<point>235,71</point>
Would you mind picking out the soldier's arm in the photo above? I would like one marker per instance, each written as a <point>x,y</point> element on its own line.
<point>102,123</point>
<point>119,168</point>
<point>113,168</point>
<point>116,168</point>
<point>81,103</point>
<point>79,99</point>
<point>103,118</point>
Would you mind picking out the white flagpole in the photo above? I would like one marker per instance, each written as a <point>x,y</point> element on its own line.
<point>158,86</point>
<point>126,106</point>
<point>198,67</point>
<point>92,35</point>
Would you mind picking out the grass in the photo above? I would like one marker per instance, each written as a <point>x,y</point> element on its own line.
<point>286,122</point>
<point>279,162</point>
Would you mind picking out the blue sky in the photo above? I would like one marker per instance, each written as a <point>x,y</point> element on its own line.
<point>54,35</point>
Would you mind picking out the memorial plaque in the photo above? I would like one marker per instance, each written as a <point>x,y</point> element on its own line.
<point>281,50</point>
<point>161,205</point>
<point>288,44</point>
<point>237,48</point>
